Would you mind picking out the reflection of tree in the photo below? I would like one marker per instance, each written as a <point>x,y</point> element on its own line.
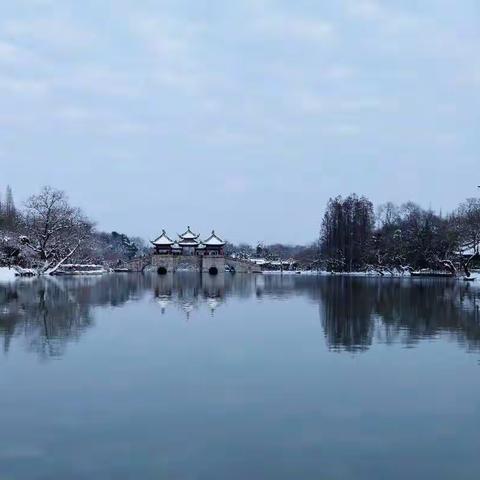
<point>45,314</point>
<point>8,316</point>
<point>347,313</point>
<point>354,310</point>
<point>50,312</point>
<point>414,311</point>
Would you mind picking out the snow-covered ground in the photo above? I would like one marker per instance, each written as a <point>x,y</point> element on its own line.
<point>7,274</point>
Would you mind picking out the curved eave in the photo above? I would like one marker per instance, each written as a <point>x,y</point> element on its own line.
<point>214,241</point>
<point>188,235</point>
<point>154,242</point>
<point>186,238</point>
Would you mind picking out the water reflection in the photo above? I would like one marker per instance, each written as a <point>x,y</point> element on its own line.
<point>354,312</point>
<point>50,312</point>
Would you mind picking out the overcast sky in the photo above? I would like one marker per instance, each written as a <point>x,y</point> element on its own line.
<point>244,116</point>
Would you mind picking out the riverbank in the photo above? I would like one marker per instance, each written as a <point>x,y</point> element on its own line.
<point>475,276</point>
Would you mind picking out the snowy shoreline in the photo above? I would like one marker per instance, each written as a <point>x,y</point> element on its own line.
<point>10,274</point>
<point>7,274</point>
<point>323,273</point>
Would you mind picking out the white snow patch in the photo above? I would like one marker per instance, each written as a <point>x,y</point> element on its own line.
<point>7,274</point>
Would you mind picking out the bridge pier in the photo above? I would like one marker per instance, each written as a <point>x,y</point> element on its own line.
<point>213,264</point>
<point>163,264</point>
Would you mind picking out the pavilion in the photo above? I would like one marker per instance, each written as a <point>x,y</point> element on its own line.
<point>189,244</point>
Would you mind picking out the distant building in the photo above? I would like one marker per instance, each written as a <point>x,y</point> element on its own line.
<point>188,243</point>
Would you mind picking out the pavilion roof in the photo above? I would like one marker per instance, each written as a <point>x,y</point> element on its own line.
<point>188,242</point>
<point>189,235</point>
<point>176,245</point>
<point>163,240</point>
<point>214,240</point>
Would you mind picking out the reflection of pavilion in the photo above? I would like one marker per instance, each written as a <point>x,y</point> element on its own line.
<point>188,291</point>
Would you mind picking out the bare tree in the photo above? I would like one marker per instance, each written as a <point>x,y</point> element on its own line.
<point>467,219</point>
<point>54,230</point>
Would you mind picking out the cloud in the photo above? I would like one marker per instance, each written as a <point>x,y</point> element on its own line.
<point>78,114</point>
<point>365,9</point>
<point>13,55</point>
<point>176,56</point>
<point>166,35</point>
<point>470,76</point>
<point>20,86</point>
<point>295,27</point>
<point>235,184</point>
<point>366,104</point>
<point>8,52</point>
<point>101,120</point>
<point>338,72</point>
<point>315,104</point>
<point>310,103</point>
<point>101,80</point>
<point>59,34</point>
<point>389,20</point>
<point>223,136</point>
<point>342,130</point>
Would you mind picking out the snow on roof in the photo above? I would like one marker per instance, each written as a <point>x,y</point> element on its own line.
<point>189,235</point>
<point>214,240</point>
<point>163,239</point>
<point>187,242</point>
<point>176,245</point>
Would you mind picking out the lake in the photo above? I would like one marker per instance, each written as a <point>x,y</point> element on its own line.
<point>127,376</point>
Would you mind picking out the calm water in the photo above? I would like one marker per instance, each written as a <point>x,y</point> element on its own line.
<point>241,377</point>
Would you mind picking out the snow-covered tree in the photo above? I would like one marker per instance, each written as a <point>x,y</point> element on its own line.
<point>10,249</point>
<point>54,230</point>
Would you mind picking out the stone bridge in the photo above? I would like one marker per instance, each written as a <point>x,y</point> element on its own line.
<point>163,264</point>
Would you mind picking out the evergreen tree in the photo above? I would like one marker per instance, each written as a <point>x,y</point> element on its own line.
<point>9,211</point>
<point>347,232</point>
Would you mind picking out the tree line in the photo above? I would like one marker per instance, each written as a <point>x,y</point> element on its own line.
<point>48,232</point>
<point>396,238</point>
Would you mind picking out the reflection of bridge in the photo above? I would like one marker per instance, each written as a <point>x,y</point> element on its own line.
<point>206,264</point>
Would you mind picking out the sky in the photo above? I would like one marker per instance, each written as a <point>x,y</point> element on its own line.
<point>243,116</point>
